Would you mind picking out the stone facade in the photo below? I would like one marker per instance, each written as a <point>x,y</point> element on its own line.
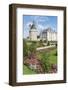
<point>47,34</point>
<point>33,32</point>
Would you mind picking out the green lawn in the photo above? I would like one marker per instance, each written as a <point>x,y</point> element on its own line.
<point>52,57</point>
<point>26,70</point>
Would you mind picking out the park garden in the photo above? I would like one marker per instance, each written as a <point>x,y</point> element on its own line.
<point>39,61</point>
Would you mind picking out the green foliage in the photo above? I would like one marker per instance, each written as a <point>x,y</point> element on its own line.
<point>38,36</point>
<point>41,41</point>
<point>48,43</point>
<point>27,70</point>
<point>45,62</point>
<point>32,47</point>
<point>25,48</point>
<point>56,44</point>
<point>47,59</point>
<point>28,48</point>
<point>40,44</point>
<point>56,53</point>
<point>53,56</point>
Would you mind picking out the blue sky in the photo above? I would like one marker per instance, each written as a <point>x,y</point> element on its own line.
<point>42,22</point>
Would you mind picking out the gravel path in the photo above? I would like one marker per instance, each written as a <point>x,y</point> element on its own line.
<point>46,47</point>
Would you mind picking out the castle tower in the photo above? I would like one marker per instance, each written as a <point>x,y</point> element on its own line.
<point>33,32</point>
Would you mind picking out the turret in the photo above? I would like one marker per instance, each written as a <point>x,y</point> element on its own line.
<point>33,32</point>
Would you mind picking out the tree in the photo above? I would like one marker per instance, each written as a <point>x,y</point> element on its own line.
<point>25,48</point>
<point>38,36</point>
<point>41,43</point>
<point>32,47</point>
<point>48,43</point>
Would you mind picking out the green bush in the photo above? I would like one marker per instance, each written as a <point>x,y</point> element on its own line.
<point>28,49</point>
<point>32,47</point>
<point>41,41</point>
<point>48,43</point>
<point>45,62</point>
<point>38,36</point>
<point>56,44</point>
<point>25,48</point>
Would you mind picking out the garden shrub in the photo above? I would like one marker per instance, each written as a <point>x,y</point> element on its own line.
<point>48,43</point>
<point>25,48</point>
<point>45,62</point>
<point>32,47</point>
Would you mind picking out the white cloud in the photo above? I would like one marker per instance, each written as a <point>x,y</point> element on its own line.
<point>43,19</point>
<point>40,19</point>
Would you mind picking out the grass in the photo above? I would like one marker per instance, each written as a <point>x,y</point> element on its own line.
<point>51,55</point>
<point>37,44</point>
<point>48,58</point>
<point>27,70</point>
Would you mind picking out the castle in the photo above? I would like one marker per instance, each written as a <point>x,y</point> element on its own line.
<point>46,34</point>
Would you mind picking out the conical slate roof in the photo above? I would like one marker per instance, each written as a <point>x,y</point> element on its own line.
<point>33,26</point>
